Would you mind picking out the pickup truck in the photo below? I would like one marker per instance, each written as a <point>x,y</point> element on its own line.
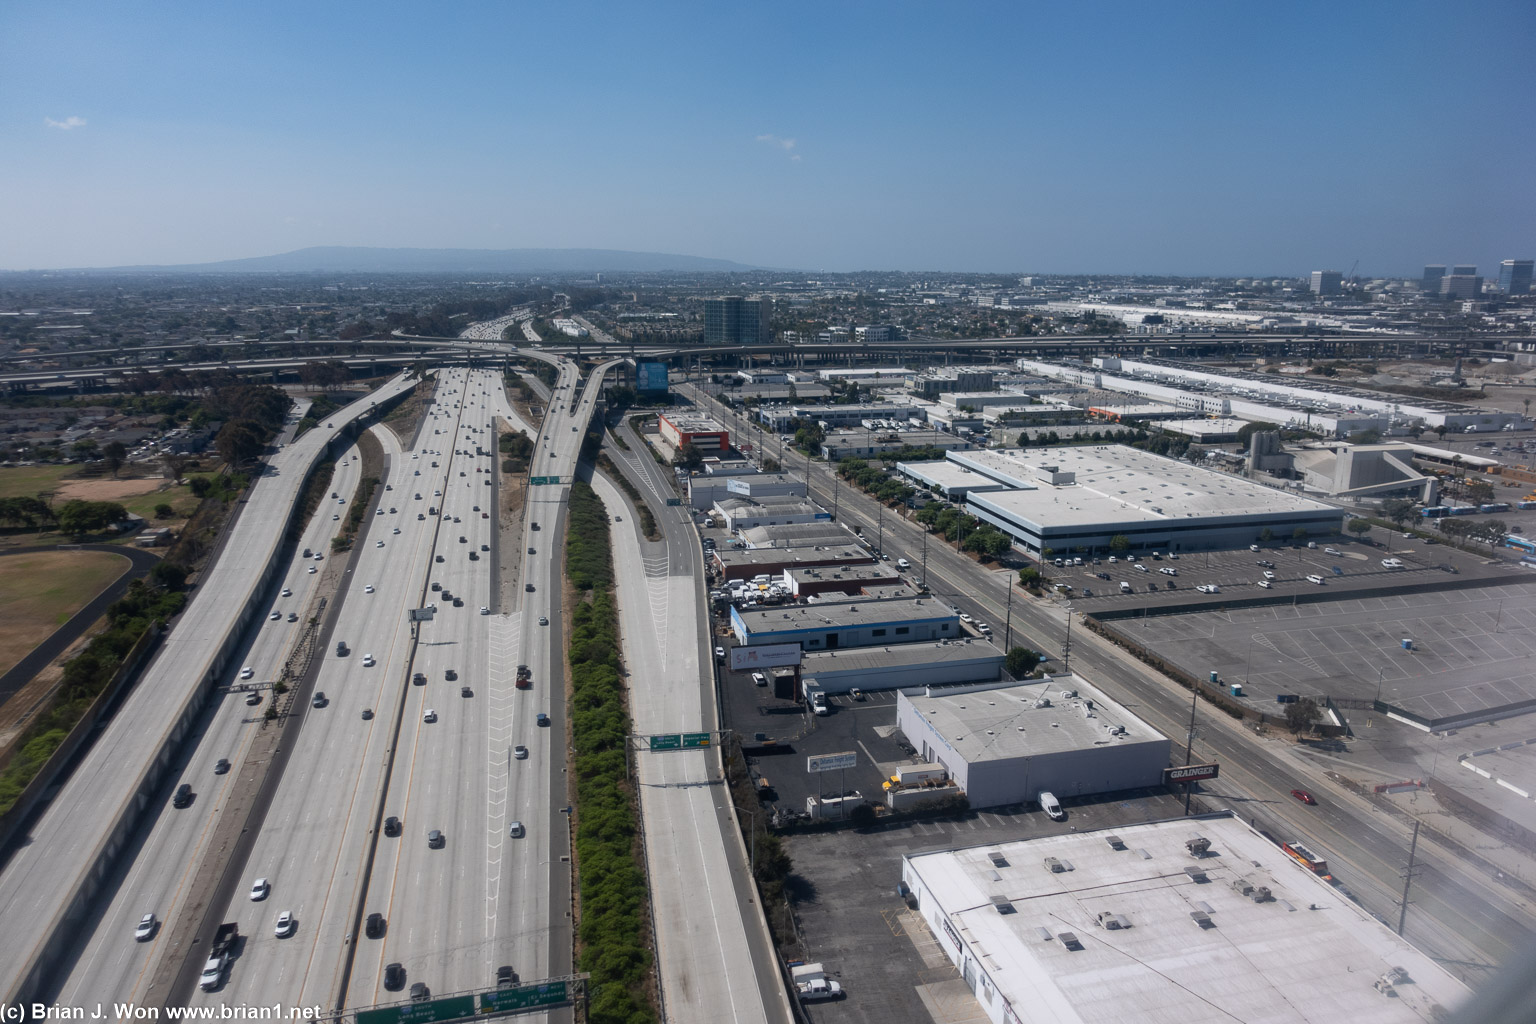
<point>218,960</point>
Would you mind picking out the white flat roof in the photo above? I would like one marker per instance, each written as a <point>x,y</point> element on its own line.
<point>1003,722</point>
<point>1306,954</point>
<point>947,475</point>
<point>1116,484</point>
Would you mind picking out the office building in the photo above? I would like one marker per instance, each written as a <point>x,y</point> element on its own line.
<point>1327,282</point>
<point>733,320</point>
<point>703,433</point>
<point>847,622</point>
<point>1464,270</point>
<point>1515,277</point>
<point>1430,282</point>
<point>1461,286</point>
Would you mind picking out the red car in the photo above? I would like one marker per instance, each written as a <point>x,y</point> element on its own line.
<point>1303,796</point>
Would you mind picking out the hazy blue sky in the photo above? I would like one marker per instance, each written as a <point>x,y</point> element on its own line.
<point>1230,138</point>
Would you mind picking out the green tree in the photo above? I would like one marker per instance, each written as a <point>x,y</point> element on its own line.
<point>79,518</point>
<point>164,511</point>
<point>1021,661</point>
<point>238,442</point>
<point>1359,527</point>
<point>1266,535</point>
<point>114,454</point>
<point>85,448</point>
<point>177,463</point>
<point>1299,534</point>
<point>1119,544</point>
<point>1030,577</point>
<point>1300,715</point>
<point>1398,509</point>
<point>169,575</point>
<point>688,456</point>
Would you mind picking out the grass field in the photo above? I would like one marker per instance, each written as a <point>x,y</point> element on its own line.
<point>27,481</point>
<point>39,592</point>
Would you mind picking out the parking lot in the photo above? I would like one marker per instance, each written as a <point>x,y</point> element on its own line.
<point>852,920</point>
<point>1471,649</point>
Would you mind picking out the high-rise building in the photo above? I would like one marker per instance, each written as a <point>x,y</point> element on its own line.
<point>1461,286</point>
<point>1327,282</point>
<point>1430,282</point>
<point>733,320</point>
<point>1464,270</point>
<point>1515,277</point>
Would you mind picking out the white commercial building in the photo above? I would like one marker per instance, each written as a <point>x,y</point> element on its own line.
<point>1002,743</point>
<point>1078,499</point>
<point>965,660</point>
<point>1195,919</point>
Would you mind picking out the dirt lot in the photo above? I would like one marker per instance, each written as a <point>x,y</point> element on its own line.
<point>39,592</point>
<point>107,489</point>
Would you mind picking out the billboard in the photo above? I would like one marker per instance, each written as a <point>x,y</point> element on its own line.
<point>831,762</point>
<point>735,486</point>
<point>766,656</point>
<point>1190,773</point>
<point>651,377</point>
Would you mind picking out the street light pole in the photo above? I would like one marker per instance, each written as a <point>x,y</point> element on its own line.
<point>1066,648</point>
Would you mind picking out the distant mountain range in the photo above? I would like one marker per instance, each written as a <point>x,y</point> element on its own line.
<point>346,259</point>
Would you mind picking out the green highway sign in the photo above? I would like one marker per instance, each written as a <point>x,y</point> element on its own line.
<point>693,740</point>
<point>452,1008</point>
<point>526,997</point>
<point>670,741</point>
<point>674,501</point>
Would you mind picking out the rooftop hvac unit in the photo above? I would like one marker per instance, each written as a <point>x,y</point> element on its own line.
<point>1070,940</point>
<point>1068,694</point>
<point>1055,865</point>
<point>1115,842</point>
<point>1043,702</point>
<point>1003,905</point>
<point>997,858</point>
<point>1242,886</point>
<point>1261,894</point>
<point>1195,874</point>
<point>1198,846</point>
<point>1111,922</point>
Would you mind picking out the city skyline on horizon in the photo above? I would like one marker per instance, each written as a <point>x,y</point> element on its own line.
<point>1109,139</point>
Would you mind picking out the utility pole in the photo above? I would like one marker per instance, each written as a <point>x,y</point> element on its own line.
<point>1066,648</point>
<point>1408,873</point>
<point>1008,621</point>
<point>1189,745</point>
<point>925,554</point>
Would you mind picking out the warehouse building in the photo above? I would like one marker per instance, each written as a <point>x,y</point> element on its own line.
<point>950,479</point>
<point>947,662</point>
<point>1194,919</point>
<point>1079,499</point>
<point>742,513</point>
<point>1003,744</point>
<point>744,564</point>
<point>706,489</point>
<point>849,580</point>
<point>823,534</point>
<point>847,622</point>
<point>703,433</point>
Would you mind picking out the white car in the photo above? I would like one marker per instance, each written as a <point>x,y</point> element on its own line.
<point>966,618</point>
<point>520,752</point>
<point>1269,574</point>
<point>260,889</point>
<point>335,519</point>
<point>247,672</point>
<point>275,616</point>
<point>285,925</point>
<point>1265,584</point>
<point>379,544</point>
<point>397,529</point>
<point>429,715</point>
<point>367,661</point>
<point>543,620</point>
<point>1313,578</point>
<point>287,592</point>
<point>146,929</point>
<point>516,830</point>
<point>313,570</point>
<point>368,589</point>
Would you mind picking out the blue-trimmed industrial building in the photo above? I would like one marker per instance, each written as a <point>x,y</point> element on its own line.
<point>826,625</point>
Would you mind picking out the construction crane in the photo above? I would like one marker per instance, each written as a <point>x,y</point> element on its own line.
<point>1350,277</point>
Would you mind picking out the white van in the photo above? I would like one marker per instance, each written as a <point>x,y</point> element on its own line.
<point>1050,805</point>
<point>903,564</point>
<point>1125,588</point>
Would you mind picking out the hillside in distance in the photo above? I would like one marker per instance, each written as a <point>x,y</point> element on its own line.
<point>343,259</point>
